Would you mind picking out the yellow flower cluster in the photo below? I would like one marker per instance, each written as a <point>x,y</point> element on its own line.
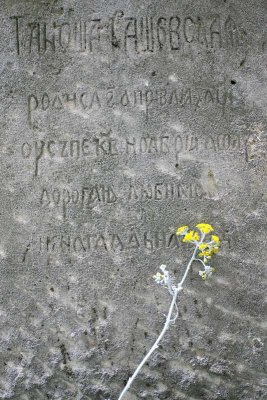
<point>205,228</point>
<point>189,236</point>
<point>210,248</point>
<point>207,249</point>
<point>182,230</point>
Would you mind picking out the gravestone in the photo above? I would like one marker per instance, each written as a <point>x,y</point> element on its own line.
<point>120,121</point>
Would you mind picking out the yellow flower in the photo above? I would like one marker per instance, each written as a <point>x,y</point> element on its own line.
<point>215,239</point>
<point>208,251</point>
<point>191,236</point>
<point>203,275</point>
<point>205,228</point>
<point>207,273</point>
<point>205,253</point>
<point>182,230</point>
<point>203,246</point>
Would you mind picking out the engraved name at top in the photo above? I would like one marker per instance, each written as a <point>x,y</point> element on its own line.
<point>125,33</point>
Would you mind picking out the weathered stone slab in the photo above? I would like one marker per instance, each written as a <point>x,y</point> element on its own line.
<point>121,120</point>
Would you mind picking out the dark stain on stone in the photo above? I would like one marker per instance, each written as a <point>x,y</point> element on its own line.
<point>65,354</point>
<point>25,252</point>
<point>105,313</point>
<point>68,371</point>
<point>94,331</point>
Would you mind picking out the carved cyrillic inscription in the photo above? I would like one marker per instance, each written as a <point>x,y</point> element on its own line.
<point>83,197</point>
<point>92,195</point>
<point>96,147</point>
<point>90,101</point>
<point>124,32</point>
<point>104,242</point>
<point>57,149</point>
<point>162,191</point>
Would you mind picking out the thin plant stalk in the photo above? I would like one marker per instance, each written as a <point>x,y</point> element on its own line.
<point>169,320</point>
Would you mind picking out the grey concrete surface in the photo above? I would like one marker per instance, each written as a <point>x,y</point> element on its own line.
<point>120,121</point>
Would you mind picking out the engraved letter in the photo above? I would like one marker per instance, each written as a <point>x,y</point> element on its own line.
<point>47,41</point>
<point>16,17</point>
<point>174,33</point>
<point>49,144</point>
<point>45,198</point>
<point>85,147</point>
<point>26,150</point>
<point>133,35</point>
<point>95,27</point>
<point>64,43</point>
<point>161,32</point>
<point>215,30</point>
<point>189,36</point>
<point>32,106</point>
<point>35,35</point>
